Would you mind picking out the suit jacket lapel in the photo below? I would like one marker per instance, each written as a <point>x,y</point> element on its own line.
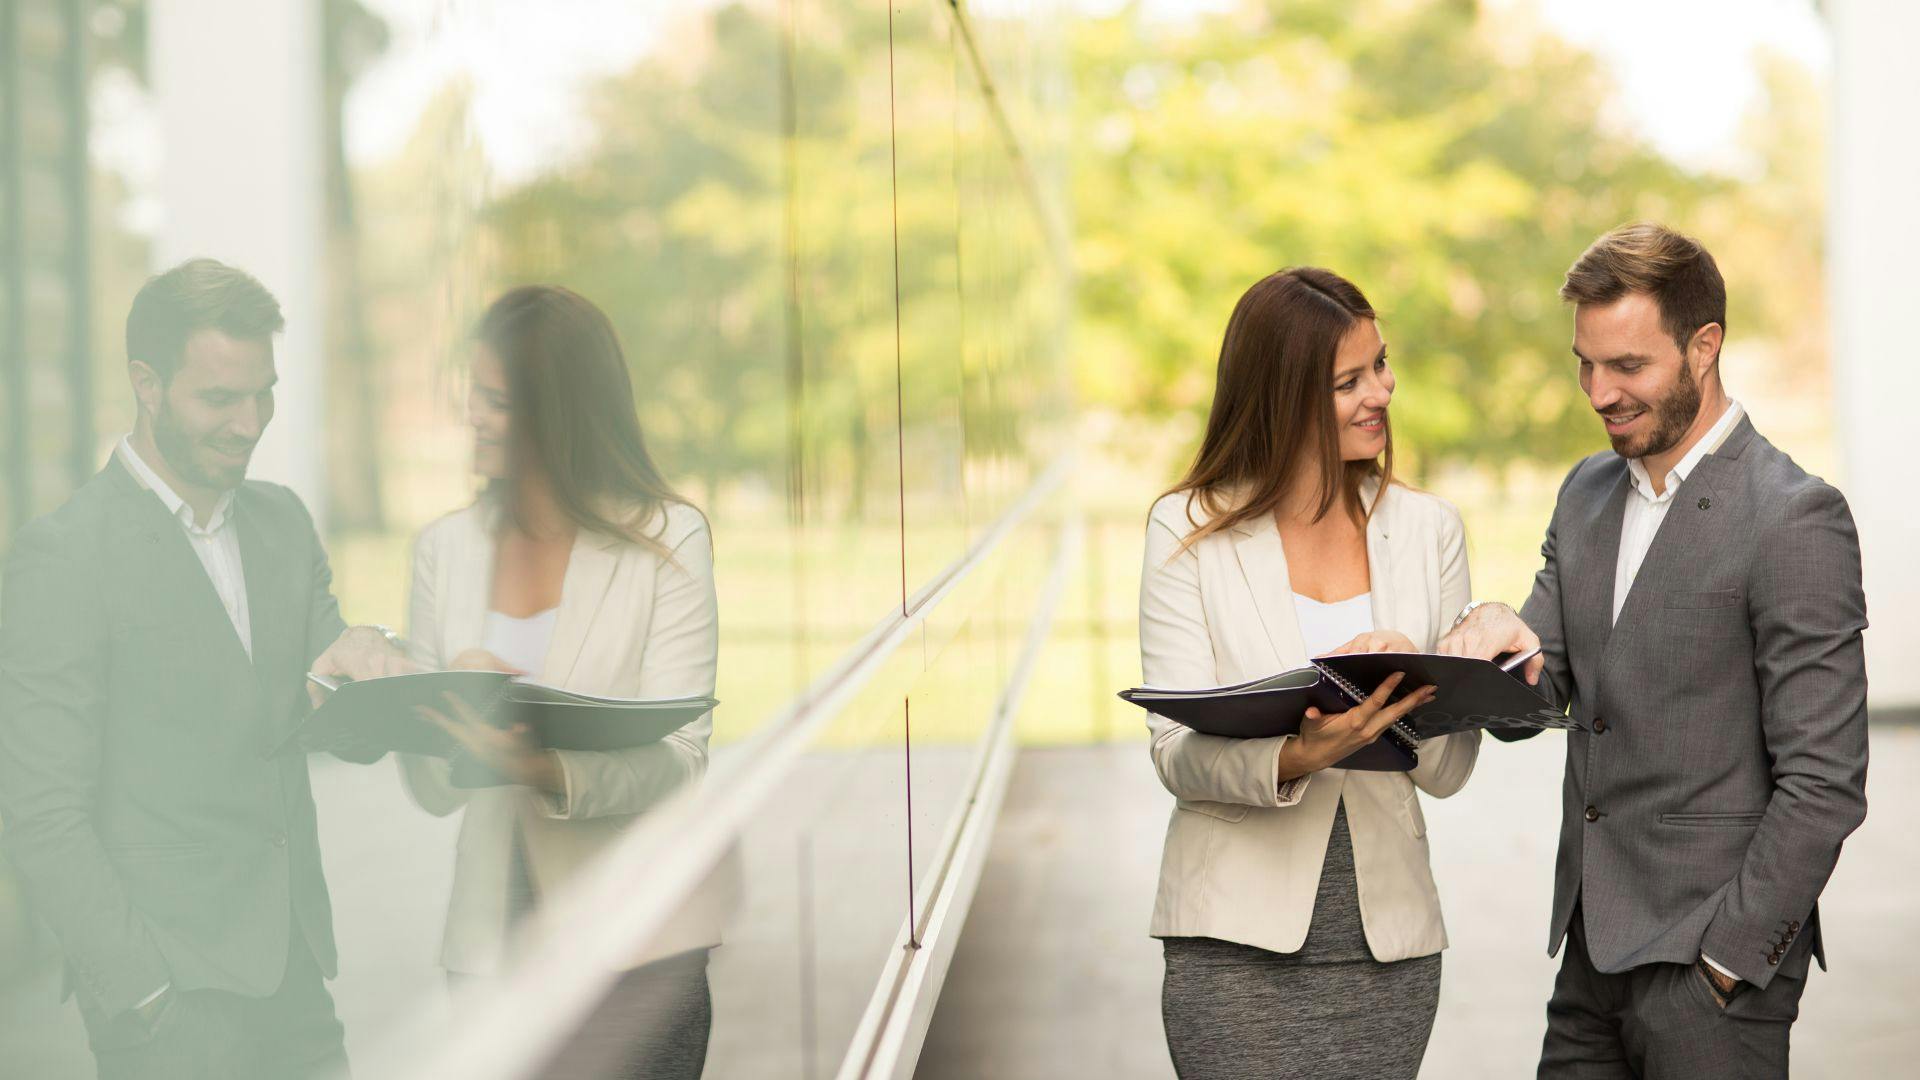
<point>590,570</point>
<point>1382,599</point>
<point>269,603</point>
<point>1689,524</point>
<point>1593,577</point>
<point>1263,561</point>
<point>465,592</point>
<point>169,569</point>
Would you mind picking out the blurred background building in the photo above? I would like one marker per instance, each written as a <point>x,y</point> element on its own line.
<point>921,300</point>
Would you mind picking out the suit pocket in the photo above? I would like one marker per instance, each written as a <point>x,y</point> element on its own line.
<point>1229,812</point>
<point>1687,616</point>
<point>1712,821</point>
<point>1712,598</point>
<point>172,850</point>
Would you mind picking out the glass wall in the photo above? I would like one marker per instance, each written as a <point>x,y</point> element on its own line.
<point>827,237</point>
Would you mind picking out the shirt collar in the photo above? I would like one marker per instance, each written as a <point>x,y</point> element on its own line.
<point>1710,442</point>
<point>175,505</point>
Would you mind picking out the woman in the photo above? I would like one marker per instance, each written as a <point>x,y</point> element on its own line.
<point>579,565</point>
<point>1301,927</point>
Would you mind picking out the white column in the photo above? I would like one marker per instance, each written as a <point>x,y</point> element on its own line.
<point>1873,234</point>
<point>236,88</point>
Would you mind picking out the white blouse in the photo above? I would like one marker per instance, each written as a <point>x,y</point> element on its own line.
<point>521,641</point>
<point>1325,627</point>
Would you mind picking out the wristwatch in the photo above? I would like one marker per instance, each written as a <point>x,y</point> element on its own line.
<point>1466,611</point>
<point>393,639</point>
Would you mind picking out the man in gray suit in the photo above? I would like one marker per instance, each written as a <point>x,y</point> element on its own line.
<point>155,635</point>
<point>1700,613</point>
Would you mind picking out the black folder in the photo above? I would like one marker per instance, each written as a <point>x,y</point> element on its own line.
<point>379,713</point>
<point>1469,694</point>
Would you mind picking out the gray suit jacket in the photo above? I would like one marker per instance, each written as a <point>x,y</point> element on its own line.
<point>140,806</point>
<point>1727,756</point>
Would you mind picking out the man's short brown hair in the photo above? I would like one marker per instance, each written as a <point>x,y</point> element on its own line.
<point>199,294</point>
<point>1646,258</point>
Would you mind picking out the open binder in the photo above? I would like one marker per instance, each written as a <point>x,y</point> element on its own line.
<point>379,713</point>
<point>1469,694</point>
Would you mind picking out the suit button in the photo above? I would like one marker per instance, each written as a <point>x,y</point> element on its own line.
<point>278,839</point>
<point>1593,814</point>
<point>1599,725</point>
<point>1793,928</point>
<point>1773,959</point>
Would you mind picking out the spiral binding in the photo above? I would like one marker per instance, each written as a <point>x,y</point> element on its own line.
<point>461,759</point>
<point>486,709</point>
<point>1399,731</point>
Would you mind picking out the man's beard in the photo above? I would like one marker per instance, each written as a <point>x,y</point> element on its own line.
<point>1672,415</point>
<point>182,452</point>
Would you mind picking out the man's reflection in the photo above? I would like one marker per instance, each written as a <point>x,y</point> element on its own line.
<point>155,635</point>
<point>580,567</point>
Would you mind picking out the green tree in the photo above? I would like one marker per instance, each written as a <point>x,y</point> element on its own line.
<point>1451,166</point>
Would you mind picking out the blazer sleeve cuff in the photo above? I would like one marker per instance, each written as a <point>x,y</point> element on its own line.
<point>1286,793</point>
<point>559,805</point>
<point>123,988</point>
<point>1731,951</point>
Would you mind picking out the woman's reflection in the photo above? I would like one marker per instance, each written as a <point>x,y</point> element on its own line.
<point>579,566</point>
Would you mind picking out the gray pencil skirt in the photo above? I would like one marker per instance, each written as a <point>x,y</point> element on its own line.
<point>1234,1011</point>
<point>1327,1012</point>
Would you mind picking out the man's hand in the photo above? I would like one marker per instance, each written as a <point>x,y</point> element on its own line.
<point>1726,983</point>
<point>1492,630</point>
<point>360,652</point>
<point>1374,641</point>
<point>1723,987</point>
<point>1324,740</point>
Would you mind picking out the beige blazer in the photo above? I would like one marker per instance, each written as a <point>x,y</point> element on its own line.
<point>1242,857</point>
<point>631,624</point>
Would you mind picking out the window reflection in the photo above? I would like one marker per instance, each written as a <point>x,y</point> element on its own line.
<point>645,351</point>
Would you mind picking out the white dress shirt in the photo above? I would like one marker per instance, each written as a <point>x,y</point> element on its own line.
<point>217,543</point>
<point>1645,511</point>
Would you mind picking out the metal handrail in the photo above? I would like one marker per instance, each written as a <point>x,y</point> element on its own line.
<point>620,901</point>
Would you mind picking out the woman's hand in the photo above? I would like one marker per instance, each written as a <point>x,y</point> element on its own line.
<point>509,752</point>
<point>482,660</point>
<point>1325,740</point>
<point>1374,641</point>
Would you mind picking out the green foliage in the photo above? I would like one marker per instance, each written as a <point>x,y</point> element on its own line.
<point>777,215</point>
<point>779,225</point>
<point>1450,165</point>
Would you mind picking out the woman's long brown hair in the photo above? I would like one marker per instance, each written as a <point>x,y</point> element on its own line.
<point>1273,405</point>
<point>573,413</point>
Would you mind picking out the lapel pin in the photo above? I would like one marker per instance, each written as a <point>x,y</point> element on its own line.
<point>1705,503</point>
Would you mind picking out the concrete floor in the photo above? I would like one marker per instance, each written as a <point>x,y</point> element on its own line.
<point>1055,976</point>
